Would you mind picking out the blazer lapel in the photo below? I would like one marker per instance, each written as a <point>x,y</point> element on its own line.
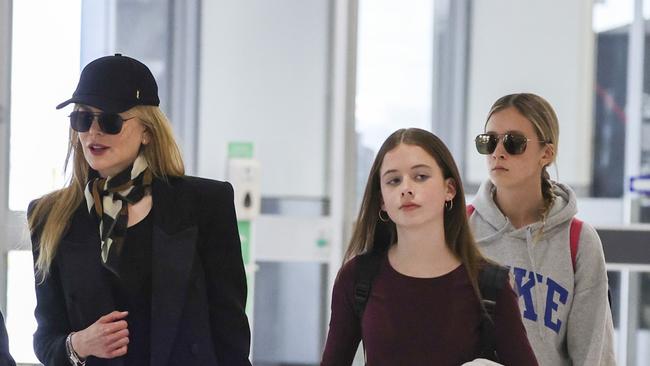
<point>173,250</point>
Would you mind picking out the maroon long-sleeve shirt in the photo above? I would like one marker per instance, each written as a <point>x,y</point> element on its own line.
<point>420,321</point>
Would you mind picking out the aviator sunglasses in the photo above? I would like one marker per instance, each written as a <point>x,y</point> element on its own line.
<point>110,123</point>
<point>514,144</point>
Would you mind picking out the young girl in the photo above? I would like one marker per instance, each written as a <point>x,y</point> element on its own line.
<point>522,219</point>
<point>424,305</point>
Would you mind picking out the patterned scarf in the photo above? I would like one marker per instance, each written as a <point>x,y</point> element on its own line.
<point>110,198</point>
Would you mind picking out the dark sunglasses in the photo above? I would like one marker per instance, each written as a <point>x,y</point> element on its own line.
<point>110,123</point>
<point>514,144</point>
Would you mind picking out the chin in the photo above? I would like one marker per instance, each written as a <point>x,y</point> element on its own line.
<point>94,164</point>
<point>415,222</point>
<point>505,182</point>
<point>499,177</point>
<point>99,167</point>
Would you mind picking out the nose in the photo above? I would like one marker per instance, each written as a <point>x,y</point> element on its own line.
<point>94,127</point>
<point>406,189</point>
<point>499,151</point>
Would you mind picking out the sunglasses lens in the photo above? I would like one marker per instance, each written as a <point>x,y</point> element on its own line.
<point>485,143</point>
<point>110,123</point>
<point>514,144</point>
<point>80,121</point>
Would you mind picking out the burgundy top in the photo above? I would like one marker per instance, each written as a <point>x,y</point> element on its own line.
<point>420,321</point>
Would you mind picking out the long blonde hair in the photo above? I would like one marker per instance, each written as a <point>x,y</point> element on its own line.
<point>372,234</point>
<point>52,213</point>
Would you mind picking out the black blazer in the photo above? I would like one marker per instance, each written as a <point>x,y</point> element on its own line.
<point>198,281</point>
<point>5,357</point>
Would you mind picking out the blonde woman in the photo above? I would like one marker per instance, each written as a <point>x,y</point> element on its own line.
<point>523,219</point>
<point>136,263</point>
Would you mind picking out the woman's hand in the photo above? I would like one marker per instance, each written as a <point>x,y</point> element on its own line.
<point>106,338</point>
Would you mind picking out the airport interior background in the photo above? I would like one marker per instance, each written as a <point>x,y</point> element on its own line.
<point>290,100</point>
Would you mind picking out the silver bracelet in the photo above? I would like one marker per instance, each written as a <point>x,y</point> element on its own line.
<point>73,356</point>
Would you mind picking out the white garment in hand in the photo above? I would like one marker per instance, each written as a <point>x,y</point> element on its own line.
<point>481,362</point>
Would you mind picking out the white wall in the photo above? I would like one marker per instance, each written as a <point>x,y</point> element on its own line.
<point>263,79</point>
<point>540,46</point>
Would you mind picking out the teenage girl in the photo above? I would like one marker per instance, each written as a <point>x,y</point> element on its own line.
<point>524,220</point>
<point>424,306</point>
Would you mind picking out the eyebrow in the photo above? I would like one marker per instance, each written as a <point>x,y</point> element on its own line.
<point>509,131</point>
<point>412,168</point>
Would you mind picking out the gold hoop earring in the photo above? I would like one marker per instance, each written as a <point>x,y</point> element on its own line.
<point>451,204</point>
<point>383,219</point>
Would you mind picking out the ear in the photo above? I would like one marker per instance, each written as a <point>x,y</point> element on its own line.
<point>548,155</point>
<point>146,137</point>
<point>450,191</point>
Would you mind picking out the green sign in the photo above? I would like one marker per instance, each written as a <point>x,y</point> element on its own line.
<point>242,150</point>
<point>244,227</point>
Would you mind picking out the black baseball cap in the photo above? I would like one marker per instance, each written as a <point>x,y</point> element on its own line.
<point>115,84</point>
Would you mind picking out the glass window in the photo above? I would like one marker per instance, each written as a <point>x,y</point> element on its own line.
<point>45,66</point>
<point>614,279</point>
<point>394,74</point>
<point>21,301</point>
<point>611,22</point>
<point>643,332</point>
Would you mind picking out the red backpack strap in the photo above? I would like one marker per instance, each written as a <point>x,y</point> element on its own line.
<point>470,210</point>
<point>574,239</point>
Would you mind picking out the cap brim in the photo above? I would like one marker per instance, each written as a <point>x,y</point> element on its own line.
<point>102,103</point>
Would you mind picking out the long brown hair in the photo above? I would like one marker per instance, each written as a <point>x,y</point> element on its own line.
<point>541,115</point>
<point>52,213</point>
<point>372,234</point>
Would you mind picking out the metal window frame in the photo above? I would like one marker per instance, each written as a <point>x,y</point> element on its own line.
<point>341,139</point>
<point>635,66</point>
<point>451,33</point>
<point>6,7</point>
<point>342,134</point>
<point>183,106</point>
<point>630,285</point>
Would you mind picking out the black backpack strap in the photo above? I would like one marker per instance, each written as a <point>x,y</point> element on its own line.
<point>491,279</point>
<point>367,269</point>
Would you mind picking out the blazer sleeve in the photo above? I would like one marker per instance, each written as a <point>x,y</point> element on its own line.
<point>51,315</point>
<point>225,277</point>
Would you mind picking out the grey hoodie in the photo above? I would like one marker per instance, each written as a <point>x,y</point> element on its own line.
<point>566,314</point>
